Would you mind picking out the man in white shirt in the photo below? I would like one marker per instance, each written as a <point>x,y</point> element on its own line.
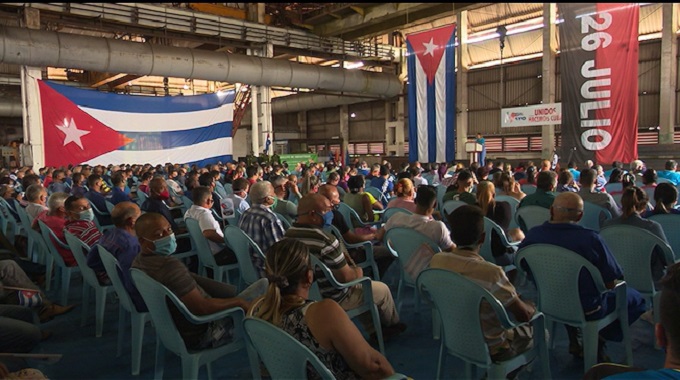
<point>201,211</point>
<point>240,188</point>
<point>422,221</point>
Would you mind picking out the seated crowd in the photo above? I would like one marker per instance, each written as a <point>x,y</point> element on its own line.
<point>323,214</point>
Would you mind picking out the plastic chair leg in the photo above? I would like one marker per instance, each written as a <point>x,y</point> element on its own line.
<point>254,360</point>
<point>86,304</point>
<point>100,307</point>
<point>590,342</point>
<point>160,359</point>
<point>400,291</point>
<point>627,338</point>
<point>121,329</point>
<point>65,284</point>
<point>189,367</point>
<point>442,357</point>
<point>436,324</point>
<point>209,367</point>
<point>138,322</point>
<point>495,371</point>
<point>49,264</point>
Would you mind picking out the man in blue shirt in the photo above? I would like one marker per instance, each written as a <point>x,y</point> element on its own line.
<point>670,173</point>
<point>119,194</point>
<point>94,195</point>
<point>562,230</point>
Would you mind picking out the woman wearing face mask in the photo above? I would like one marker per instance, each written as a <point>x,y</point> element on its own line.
<point>79,220</point>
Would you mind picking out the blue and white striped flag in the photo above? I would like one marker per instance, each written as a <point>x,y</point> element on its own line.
<point>432,95</point>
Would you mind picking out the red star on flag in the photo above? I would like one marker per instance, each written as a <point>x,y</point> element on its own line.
<point>429,48</point>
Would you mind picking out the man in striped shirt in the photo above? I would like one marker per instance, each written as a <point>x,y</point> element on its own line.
<point>315,212</point>
<point>79,217</point>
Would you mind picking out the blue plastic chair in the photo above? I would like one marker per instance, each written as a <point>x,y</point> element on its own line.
<point>8,224</point>
<point>228,188</point>
<point>205,256</point>
<point>528,217</point>
<point>528,188</point>
<point>451,205</point>
<point>286,224</point>
<point>394,210</point>
<point>613,187</point>
<point>80,251</point>
<point>137,319</point>
<point>556,273</point>
<point>352,219</point>
<point>142,197</point>
<point>97,214</point>
<point>594,216</point>
<point>462,332</point>
<point>55,258</point>
<point>514,205</point>
<point>367,306</point>
<point>441,191</point>
<point>219,189</point>
<point>368,249</point>
<point>377,194</point>
<point>242,245</point>
<point>168,337</point>
<point>485,251</point>
<point>671,226</point>
<point>109,207</point>
<point>633,247</point>
<point>35,251</point>
<point>282,355</point>
<point>403,243</point>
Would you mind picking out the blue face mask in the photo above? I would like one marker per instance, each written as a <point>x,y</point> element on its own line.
<point>328,219</point>
<point>86,215</point>
<point>166,246</point>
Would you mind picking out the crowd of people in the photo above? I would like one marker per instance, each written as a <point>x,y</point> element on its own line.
<point>293,212</point>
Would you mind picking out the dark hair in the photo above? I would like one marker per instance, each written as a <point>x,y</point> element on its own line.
<point>200,193</point>
<point>565,177</point>
<point>28,180</point>
<point>240,184</point>
<point>670,306</point>
<point>467,225</point>
<point>587,177</point>
<point>68,203</point>
<point>615,176</point>
<point>355,183</point>
<point>92,179</point>
<point>545,180</point>
<point>426,196</point>
<point>206,179</point>
<point>464,175</point>
<point>649,176</point>
<point>251,171</point>
<point>633,199</point>
<point>628,180</point>
<point>384,170</point>
<point>117,179</point>
<point>531,175</point>
<point>332,176</point>
<point>665,195</point>
<point>671,165</point>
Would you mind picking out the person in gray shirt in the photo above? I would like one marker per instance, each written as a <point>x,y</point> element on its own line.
<point>588,193</point>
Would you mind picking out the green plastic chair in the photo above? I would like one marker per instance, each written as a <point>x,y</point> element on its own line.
<point>284,221</point>
<point>450,206</point>
<point>528,217</point>
<point>377,194</point>
<point>514,204</point>
<point>109,207</point>
<point>441,191</point>
<point>242,245</point>
<point>556,274</point>
<point>403,243</point>
<point>205,256</point>
<point>137,319</point>
<point>389,212</point>
<point>97,213</point>
<point>462,333</point>
<point>282,355</point>
<point>35,249</point>
<point>368,249</point>
<point>352,219</point>
<point>54,257</point>
<point>367,306</point>
<point>8,225</point>
<point>142,197</point>
<point>168,337</point>
<point>80,251</point>
<point>528,189</point>
<point>633,247</point>
<point>670,223</point>
<point>485,251</point>
<point>594,216</point>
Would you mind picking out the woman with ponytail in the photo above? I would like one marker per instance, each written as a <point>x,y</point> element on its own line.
<point>323,326</point>
<point>633,203</point>
<point>665,196</point>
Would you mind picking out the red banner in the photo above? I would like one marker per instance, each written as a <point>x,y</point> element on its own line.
<point>599,66</point>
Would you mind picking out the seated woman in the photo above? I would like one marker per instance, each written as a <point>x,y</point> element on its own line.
<point>530,179</point>
<point>501,214</point>
<point>633,204</point>
<point>405,193</point>
<point>322,326</point>
<point>665,196</point>
<point>359,200</point>
<point>565,182</point>
<point>506,182</point>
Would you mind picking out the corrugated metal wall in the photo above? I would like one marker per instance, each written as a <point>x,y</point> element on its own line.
<point>368,123</point>
<point>323,124</point>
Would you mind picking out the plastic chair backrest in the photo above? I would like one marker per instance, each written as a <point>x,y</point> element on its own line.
<point>531,216</point>
<point>186,201</point>
<point>404,243</point>
<point>485,250</point>
<point>617,198</point>
<point>348,214</point>
<point>109,207</point>
<point>450,206</point>
<point>283,355</point>
<point>528,188</point>
<point>376,193</point>
<point>228,188</point>
<point>514,203</point>
<point>242,244</point>
<point>394,210</point>
<point>80,251</point>
<point>23,216</point>
<point>141,197</point>
<point>594,216</point>
<point>441,191</point>
<point>459,311</point>
<point>219,189</point>
<point>670,223</point>
<point>113,270</point>
<point>200,242</point>
<point>50,240</point>
<point>556,273</point>
<point>613,187</point>
<point>154,295</point>
<point>284,221</point>
<point>633,247</point>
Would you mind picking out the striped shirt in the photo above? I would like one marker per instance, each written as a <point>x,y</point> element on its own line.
<point>84,230</point>
<point>327,249</point>
<point>261,225</point>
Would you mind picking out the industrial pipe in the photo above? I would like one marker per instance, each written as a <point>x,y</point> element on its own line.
<point>39,48</point>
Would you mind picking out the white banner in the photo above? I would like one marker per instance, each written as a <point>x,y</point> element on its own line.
<point>531,116</point>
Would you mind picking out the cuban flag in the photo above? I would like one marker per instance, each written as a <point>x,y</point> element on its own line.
<point>97,128</point>
<point>432,95</point>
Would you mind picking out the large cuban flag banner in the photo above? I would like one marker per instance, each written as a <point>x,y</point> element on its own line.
<point>97,128</point>
<point>432,95</point>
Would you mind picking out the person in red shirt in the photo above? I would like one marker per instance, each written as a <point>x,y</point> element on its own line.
<point>79,220</point>
<point>55,219</point>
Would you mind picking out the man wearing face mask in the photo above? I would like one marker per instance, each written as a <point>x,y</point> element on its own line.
<point>200,295</point>
<point>158,195</point>
<point>122,243</point>
<point>314,212</point>
<point>79,217</point>
<point>259,221</point>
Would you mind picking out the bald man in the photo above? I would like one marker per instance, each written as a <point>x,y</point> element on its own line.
<point>562,230</point>
<point>315,212</point>
<point>200,295</point>
<point>122,243</point>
